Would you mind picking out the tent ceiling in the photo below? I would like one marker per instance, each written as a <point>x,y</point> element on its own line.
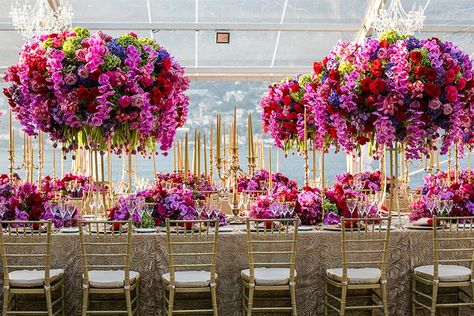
<point>269,38</point>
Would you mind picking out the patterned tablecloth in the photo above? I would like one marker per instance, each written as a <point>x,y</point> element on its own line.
<point>317,251</point>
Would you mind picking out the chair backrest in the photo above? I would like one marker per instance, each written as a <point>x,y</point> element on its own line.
<point>106,245</point>
<point>25,245</point>
<point>453,242</point>
<point>365,244</point>
<point>192,245</point>
<point>272,244</point>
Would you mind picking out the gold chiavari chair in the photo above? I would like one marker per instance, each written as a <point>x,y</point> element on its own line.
<point>192,249</point>
<point>106,248</point>
<point>364,255</point>
<point>26,258</point>
<point>453,266</point>
<point>272,254</point>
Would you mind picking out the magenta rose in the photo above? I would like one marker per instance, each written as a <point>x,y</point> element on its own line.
<point>451,93</point>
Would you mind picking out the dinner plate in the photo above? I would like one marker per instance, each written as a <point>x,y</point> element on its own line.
<point>305,228</point>
<point>337,228</point>
<point>421,227</point>
<point>145,230</point>
<point>69,230</point>
<point>225,229</point>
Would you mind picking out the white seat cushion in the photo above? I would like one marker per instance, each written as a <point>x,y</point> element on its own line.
<point>268,276</point>
<point>356,275</point>
<point>110,279</point>
<point>446,273</point>
<point>33,278</point>
<point>189,278</point>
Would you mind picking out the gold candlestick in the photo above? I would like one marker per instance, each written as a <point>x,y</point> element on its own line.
<point>186,157</point>
<point>270,174</point>
<point>251,149</point>
<point>130,172</point>
<point>438,156</point>
<point>431,162</point>
<point>224,154</point>
<point>211,166</point>
<point>305,150</point>
<point>199,155</point>
<point>153,156</point>
<point>109,166</point>
<point>174,157</point>
<point>180,157</point>
<point>11,151</point>
<point>449,166</point>
<point>195,153</point>
<point>205,156</point>
<point>54,162</point>
<point>456,163</point>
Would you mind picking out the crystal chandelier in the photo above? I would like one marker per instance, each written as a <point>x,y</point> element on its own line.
<point>45,16</point>
<point>397,19</point>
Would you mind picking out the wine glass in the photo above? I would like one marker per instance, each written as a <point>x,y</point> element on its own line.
<point>352,205</point>
<point>431,204</point>
<point>70,210</point>
<point>199,208</point>
<point>3,210</point>
<point>448,206</point>
<point>440,206</point>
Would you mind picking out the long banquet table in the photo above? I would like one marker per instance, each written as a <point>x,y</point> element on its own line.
<point>317,251</point>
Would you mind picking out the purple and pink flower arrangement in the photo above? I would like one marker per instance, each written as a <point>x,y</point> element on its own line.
<point>283,109</point>
<point>97,91</point>
<point>174,203</point>
<point>21,202</point>
<point>259,182</point>
<point>437,186</point>
<point>367,180</point>
<point>395,89</point>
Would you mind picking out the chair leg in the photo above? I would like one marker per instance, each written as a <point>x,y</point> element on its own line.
<point>49,304</point>
<point>214,299</point>
<point>413,297</point>
<point>326,301</point>
<point>250,300</point>
<point>85,301</point>
<point>383,289</point>
<point>293,298</point>
<point>128,299</point>
<point>171,300</point>
<point>343,300</point>
<point>6,300</point>
<point>63,305</point>
<point>137,302</point>
<point>434,299</point>
<point>244,302</point>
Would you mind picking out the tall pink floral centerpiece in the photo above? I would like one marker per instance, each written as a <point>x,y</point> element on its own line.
<point>283,112</point>
<point>83,88</point>
<point>395,89</point>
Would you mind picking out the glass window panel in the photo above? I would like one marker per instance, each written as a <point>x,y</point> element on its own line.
<point>301,49</point>
<point>5,10</point>
<point>110,11</point>
<point>172,10</point>
<point>246,49</point>
<point>444,12</point>
<point>11,45</point>
<point>326,11</point>
<point>259,11</point>
<point>179,44</point>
